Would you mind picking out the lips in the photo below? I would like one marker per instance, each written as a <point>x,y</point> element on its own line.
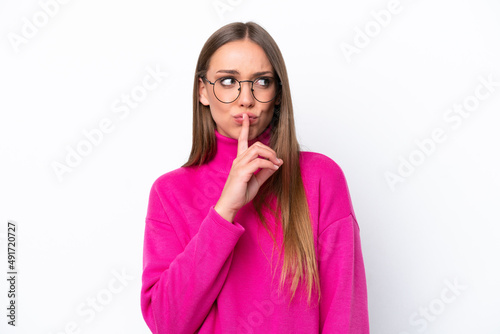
<point>250,115</point>
<point>251,118</point>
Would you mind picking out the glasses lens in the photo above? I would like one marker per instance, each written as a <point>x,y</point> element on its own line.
<point>228,89</point>
<point>264,89</point>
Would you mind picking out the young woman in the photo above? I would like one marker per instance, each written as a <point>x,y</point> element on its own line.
<point>249,204</point>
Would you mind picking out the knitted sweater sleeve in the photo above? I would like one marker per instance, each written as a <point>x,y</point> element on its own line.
<point>180,282</point>
<point>343,305</point>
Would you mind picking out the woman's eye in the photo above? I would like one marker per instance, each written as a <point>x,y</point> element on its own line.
<point>227,82</point>
<point>263,82</point>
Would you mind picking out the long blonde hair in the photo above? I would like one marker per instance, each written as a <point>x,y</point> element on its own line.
<point>299,262</point>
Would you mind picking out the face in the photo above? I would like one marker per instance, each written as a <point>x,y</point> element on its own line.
<point>242,60</point>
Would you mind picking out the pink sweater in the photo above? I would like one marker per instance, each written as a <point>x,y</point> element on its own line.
<point>204,274</point>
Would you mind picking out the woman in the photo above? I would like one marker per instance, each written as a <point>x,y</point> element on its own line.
<point>246,194</point>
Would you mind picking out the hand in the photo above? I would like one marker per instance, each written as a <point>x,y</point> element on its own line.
<point>242,184</point>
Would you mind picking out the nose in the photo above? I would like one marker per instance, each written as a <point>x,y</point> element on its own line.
<point>246,96</point>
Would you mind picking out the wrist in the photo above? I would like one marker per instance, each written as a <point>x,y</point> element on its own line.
<point>224,213</point>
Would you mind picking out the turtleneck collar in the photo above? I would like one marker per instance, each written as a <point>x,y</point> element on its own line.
<point>227,149</point>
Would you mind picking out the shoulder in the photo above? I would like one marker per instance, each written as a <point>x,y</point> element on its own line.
<point>160,193</point>
<point>327,177</point>
<point>321,165</point>
<point>170,176</point>
<point>173,179</point>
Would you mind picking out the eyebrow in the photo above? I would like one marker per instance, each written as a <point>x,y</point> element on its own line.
<point>235,72</point>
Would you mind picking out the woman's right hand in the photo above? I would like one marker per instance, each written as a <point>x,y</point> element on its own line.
<point>242,184</point>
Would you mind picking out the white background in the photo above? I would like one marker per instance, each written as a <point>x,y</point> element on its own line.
<point>438,227</point>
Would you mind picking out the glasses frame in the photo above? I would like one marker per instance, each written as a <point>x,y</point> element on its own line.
<point>278,89</point>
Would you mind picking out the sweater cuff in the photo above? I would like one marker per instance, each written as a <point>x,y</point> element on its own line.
<point>234,227</point>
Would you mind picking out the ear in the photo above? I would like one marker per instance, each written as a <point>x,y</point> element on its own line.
<point>203,92</point>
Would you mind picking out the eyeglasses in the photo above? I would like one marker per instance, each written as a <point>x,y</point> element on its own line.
<point>228,89</point>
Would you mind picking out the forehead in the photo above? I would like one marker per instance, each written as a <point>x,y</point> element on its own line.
<point>244,56</point>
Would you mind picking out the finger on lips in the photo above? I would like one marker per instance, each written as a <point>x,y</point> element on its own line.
<point>265,152</point>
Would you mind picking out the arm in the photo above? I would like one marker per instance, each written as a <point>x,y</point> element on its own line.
<point>180,284</point>
<point>343,305</point>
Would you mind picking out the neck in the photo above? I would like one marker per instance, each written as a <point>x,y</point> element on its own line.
<point>227,149</point>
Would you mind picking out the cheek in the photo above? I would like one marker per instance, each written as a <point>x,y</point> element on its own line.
<point>269,109</point>
<point>219,112</point>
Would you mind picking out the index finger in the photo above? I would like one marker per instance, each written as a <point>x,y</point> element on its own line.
<point>243,138</point>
